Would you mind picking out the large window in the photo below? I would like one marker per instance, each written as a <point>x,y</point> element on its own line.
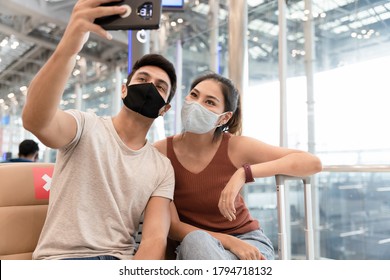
<point>350,51</point>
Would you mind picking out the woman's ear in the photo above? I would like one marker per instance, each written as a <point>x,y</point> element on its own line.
<point>123,91</point>
<point>225,118</point>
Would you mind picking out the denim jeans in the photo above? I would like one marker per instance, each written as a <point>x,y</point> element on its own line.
<point>199,245</point>
<point>104,257</point>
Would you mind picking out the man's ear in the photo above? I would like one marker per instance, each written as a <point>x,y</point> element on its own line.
<point>164,109</point>
<point>123,91</point>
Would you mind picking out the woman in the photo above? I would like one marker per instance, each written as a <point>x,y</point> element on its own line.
<point>212,162</point>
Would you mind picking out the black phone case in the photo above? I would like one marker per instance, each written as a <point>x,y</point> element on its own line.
<point>145,14</point>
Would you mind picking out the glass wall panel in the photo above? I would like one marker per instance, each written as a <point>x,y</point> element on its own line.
<point>350,49</point>
<point>354,214</point>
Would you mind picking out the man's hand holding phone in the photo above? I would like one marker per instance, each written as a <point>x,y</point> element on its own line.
<point>138,14</point>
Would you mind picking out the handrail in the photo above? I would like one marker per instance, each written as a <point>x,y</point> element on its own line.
<point>282,203</point>
<point>356,168</point>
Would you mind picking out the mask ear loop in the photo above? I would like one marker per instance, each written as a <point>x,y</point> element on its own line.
<point>164,109</point>
<point>221,117</point>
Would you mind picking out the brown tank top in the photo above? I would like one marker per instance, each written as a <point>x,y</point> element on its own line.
<point>196,195</point>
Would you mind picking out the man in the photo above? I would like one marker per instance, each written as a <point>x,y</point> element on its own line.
<point>106,175</point>
<point>28,152</point>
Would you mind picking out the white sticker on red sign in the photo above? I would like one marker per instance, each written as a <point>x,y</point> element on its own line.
<point>42,181</point>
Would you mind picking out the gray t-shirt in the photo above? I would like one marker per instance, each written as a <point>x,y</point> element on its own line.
<point>99,191</point>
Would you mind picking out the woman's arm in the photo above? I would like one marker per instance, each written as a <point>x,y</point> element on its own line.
<point>268,160</point>
<point>265,160</point>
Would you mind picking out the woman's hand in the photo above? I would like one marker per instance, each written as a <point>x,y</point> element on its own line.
<point>228,195</point>
<point>244,250</point>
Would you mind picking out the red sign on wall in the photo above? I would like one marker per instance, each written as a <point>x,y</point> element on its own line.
<point>42,181</point>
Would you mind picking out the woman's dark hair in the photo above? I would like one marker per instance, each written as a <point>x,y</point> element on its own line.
<point>160,62</point>
<point>232,103</point>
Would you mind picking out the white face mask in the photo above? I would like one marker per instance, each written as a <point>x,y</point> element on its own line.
<point>197,119</point>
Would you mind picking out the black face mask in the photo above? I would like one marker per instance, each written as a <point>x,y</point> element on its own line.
<point>144,99</point>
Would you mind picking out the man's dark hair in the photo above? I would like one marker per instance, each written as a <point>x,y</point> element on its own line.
<point>28,147</point>
<point>160,62</point>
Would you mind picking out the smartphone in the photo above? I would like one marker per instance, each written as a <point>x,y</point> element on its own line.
<point>140,14</point>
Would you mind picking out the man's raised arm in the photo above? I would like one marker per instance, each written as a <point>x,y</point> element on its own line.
<point>41,114</point>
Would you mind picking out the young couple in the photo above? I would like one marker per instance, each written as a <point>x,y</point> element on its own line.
<point>107,175</point>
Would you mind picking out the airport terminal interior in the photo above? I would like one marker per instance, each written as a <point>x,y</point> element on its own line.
<point>312,74</point>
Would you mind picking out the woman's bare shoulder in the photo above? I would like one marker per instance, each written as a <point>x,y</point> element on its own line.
<point>161,146</point>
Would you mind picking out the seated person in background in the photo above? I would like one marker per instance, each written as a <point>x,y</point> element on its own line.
<point>212,162</point>
<point>28,152</point>
<point>107,175</point>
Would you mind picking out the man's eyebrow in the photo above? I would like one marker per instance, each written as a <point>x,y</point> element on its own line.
<point>142,73</point>
<point>148,75</point>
